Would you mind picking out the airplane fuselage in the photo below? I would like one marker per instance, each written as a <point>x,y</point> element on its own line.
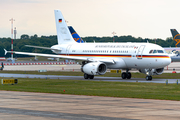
<point>125,55</point>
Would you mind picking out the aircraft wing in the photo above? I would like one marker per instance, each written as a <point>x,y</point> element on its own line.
<point>173,48</point>
<point>64,57</point>
<point>42,47</point>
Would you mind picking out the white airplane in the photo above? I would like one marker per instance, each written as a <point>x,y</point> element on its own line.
<point>96,58</point>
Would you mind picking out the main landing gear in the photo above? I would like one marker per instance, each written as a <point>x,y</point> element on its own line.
<point>126,75</point>
<point>86,76</point>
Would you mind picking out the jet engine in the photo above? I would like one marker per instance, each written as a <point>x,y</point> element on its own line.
<point>94,68</point>
<point>157,71</point>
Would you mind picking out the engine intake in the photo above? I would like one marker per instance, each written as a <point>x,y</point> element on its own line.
<point>94,68</point>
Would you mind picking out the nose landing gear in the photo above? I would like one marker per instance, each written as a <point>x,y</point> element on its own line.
<point>148,77</point>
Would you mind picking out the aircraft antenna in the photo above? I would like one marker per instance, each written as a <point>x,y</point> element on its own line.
<point>15,33</point>
<point>113,35</point>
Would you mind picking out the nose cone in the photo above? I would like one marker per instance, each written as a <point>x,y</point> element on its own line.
<point>167,61</point>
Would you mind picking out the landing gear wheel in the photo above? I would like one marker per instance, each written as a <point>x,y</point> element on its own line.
<point>91,76</point>
<point>86,76</point>
<point>148,77</point>
<point>124,75</point>
<point>128,75</point>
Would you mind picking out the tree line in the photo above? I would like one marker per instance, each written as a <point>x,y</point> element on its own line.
<point>48,41</point>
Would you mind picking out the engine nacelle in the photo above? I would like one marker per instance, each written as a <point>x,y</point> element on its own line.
<point>94,68</point>
<point>158,71</point>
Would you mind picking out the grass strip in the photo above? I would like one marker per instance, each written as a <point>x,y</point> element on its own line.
<point>98,88</point>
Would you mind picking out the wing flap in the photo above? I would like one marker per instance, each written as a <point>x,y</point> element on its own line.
<point>64,57</point>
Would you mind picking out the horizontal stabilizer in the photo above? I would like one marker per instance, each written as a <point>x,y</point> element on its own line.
<point>47,48</point>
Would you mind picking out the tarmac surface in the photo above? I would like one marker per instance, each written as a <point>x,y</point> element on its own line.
<point>169,69</point>
<point>45,106</point>
<point>96,78</point>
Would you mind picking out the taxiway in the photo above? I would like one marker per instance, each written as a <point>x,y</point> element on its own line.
<point>96,78</point>
<point>45,106</point>
<point>169,69</point>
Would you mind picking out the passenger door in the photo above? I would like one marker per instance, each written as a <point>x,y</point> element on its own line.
<point>67,49</point>
<point>140,52</point>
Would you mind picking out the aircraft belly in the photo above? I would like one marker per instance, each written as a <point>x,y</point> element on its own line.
<point>119,64</point>
<point>150,63</point>
<point>131,63</point>
<point>145,63</point>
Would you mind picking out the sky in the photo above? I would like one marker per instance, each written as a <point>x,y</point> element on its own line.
<point>139,18</point>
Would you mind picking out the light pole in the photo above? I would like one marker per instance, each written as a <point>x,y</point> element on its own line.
<point>11,37</point>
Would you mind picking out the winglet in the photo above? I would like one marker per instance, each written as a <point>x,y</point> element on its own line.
<point>5,51</point>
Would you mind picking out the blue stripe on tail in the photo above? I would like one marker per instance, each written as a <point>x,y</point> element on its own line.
<point>75,36</point>
<point>176,37</point>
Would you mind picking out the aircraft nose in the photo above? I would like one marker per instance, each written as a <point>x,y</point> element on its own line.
<point>167,61</point>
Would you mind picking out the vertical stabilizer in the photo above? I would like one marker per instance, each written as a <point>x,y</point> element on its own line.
<point>176,37</point>
<point>63,33</point>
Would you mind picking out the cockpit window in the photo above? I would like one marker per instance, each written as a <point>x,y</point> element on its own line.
<point>150,51</point>
<point>155,51</point>
<point>160,51</point>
